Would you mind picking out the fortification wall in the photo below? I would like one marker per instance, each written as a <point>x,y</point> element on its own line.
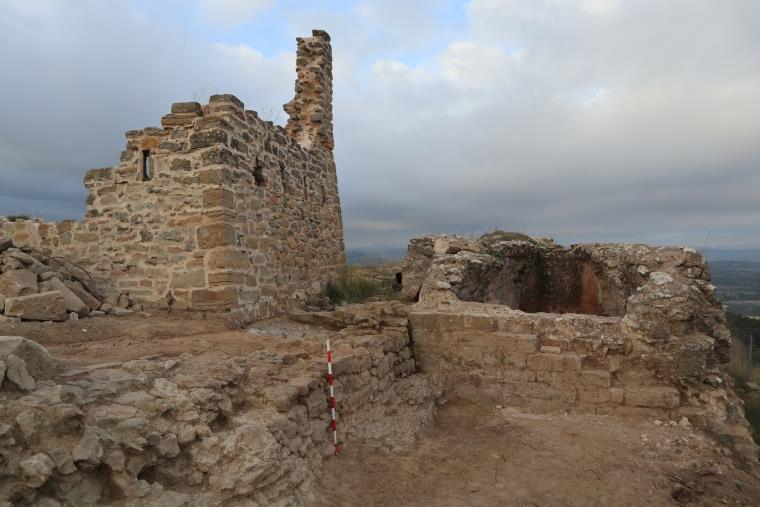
<point>217,210</point>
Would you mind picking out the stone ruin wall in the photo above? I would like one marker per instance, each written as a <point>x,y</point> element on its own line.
<point>624,329</point>
<point>252,430</point>
<point>237,215</point>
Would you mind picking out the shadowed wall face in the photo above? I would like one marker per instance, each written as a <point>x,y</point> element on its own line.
<point>553,282</point>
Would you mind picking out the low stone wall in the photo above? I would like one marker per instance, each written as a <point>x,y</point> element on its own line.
<point>181,432</point>
<point>578,363</point>
<point>540,360</point>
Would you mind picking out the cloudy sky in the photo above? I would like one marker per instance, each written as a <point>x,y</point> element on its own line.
<point>585,120</point>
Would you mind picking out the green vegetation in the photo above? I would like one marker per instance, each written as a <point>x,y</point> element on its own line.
<point>738,285</point>
<point>490,239</point>
<point>17,218</point>
<point>499,235</point>
<point>741,327</point>
<point>359,284</point>
<point>351,289</point>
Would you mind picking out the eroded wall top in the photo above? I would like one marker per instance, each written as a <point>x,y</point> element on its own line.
<point>310,110</point>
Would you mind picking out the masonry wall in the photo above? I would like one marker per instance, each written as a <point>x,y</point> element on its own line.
<point>218,210</point>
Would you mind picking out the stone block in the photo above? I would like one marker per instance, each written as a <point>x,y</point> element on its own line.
<point>219,155</point>
<point>226,98</point>
<point>216,234</point>
<point>483,323</point>
<point>218,197</point>
<point>98,176</point>
<point>188,279</point>
<point>219,299</point>
<point>516,376</point>
<point>178,120</point>
<point>554,362</point>
<point>73,302</point>
<point>180,164</point>
<point>225,278</point>
<point>593,395</point>
<point>18,282</point>
<point>187,107</point>
<point>653,397</point>
<point>206,138</point>
<point>217,176</point>
<point>44,306</point>
<point>594,378</point>
<point>86,237</point>
<point>516,343</point>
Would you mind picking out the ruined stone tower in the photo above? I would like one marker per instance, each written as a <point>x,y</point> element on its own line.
<point>311,109</point>
<point>218,210</point>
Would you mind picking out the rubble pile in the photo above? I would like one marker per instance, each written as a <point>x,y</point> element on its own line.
<point>36,286</point>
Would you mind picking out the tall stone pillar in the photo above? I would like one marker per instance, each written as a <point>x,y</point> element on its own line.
<point>310,110</point>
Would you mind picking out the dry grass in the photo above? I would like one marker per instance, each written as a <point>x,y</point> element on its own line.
<point>358,284</point>
<point>737,367</point>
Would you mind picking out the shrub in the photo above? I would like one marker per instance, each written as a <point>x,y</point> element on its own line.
<point>499,235</point>
<point>358,284</point>
<point>17,218</point>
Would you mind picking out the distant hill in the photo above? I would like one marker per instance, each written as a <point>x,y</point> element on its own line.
<point>727,254</point>
<point>738,285</point>
<point>374,255</point>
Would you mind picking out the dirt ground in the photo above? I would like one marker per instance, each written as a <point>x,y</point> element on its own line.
<point>484,456</point>
<point>475,453</point>
<point>104,339</point>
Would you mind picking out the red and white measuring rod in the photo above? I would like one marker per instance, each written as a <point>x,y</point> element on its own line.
<point>331,400</point>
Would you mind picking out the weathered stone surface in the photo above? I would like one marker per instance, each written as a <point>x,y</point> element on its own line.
<point>18,374</point>
<point>189,279</point>
<point>18,282</point>
<point>153,431</point>
<point>655,397</point>
<point>37,469</point>
<point>5,244</point>
<point>64,463</point>
<point>91,301</point>
<point>38,362</point>
<point>168,447</point>
<point>44,306</point>
<point>187,107</point>
<point>72,301</point>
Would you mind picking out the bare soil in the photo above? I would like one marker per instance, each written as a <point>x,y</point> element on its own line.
<point>475,453</point>
<point>105,339</point>
<point>484,456</point>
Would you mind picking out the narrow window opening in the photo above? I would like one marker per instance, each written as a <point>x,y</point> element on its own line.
<point>258,175</point>
<point>147,166</point>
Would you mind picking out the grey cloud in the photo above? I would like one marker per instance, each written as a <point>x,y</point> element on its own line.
<point>637,123</point>
<point>80,74</point>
